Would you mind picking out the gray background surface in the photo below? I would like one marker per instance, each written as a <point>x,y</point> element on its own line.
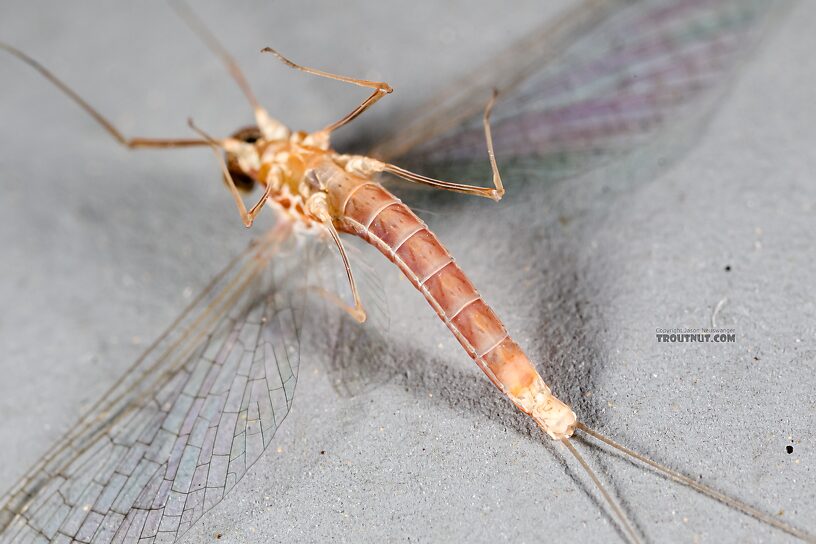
<point>101,248</point>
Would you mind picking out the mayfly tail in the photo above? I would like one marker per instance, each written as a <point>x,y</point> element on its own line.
<point>701,488</point>
<point>627,525</point>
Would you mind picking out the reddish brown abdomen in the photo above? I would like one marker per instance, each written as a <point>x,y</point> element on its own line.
<point>368,210</point>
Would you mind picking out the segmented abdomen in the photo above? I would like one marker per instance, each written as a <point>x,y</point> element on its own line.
<point>373,213</point>
<point>365,208</point>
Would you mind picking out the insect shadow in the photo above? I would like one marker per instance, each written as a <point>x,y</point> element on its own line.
<point>362,359</point>
<point>553,219</point>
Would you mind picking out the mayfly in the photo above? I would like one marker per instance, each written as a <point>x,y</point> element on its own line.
<point>167,442</point>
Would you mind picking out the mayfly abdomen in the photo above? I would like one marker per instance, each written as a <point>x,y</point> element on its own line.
<point>366,209</point>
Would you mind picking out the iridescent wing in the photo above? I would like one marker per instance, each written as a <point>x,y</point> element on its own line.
<point>601,82</point>
<point>177,432</point>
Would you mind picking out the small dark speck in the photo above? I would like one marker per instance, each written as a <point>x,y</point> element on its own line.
<point>789,449</point>
<point>756,358</point>
<point>218,536</point>
<point>322,452</point>
<point>728,268</point>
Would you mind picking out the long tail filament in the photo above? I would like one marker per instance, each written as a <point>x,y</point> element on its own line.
<point>681,479</point>
<point>627,526</point>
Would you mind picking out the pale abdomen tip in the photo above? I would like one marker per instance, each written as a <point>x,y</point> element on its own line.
<point>553,416</point>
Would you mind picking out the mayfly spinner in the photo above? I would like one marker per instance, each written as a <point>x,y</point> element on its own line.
<point>169,440</point>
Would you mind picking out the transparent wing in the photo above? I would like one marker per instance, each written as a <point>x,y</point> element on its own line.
<point>602,81</point>
<point>177,432</point>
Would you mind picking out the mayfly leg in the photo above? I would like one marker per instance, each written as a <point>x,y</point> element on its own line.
<point>271,126</point>
<point>381,89</point>
<point>104,122</point>
<point>248,216</point>
<point>495,194</point>
<point>357,312</point>
<point>366,166</point>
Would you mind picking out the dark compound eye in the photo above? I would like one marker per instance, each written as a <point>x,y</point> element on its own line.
<point>242,181</point>
<point>248,135</point>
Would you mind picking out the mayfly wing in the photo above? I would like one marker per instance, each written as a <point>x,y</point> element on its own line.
<point>184,424</point>
<point>601,82</point>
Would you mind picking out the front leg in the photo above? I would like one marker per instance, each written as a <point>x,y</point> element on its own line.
<point>381,89</point>
<point>247,216</point>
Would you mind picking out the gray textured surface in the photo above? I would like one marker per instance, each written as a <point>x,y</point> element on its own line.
<point>101,248</point>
